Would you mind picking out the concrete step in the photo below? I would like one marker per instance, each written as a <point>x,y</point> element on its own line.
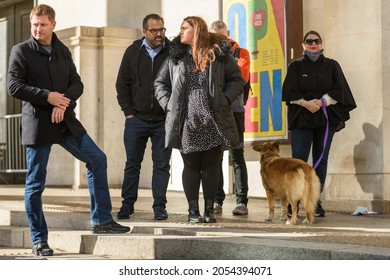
<point>167,242</point>
<point>338,236</point>
<point>168,247</point>
<point>55,218</point>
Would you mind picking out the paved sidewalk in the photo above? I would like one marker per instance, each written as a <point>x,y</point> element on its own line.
<point>336,236</point>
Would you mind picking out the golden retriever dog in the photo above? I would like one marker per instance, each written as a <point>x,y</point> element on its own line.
<point>289,179</point>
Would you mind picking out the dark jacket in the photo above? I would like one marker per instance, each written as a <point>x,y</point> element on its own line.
<point>225,84</point>
<point>32,74</point>
<point>309,80</point>
<point>242,58</point>
<point>134,84</point>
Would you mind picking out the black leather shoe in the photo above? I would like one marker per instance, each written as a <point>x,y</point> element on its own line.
<point>319,212</point>
<point>160,215</point>
<point>110,227</point>
<point>209,216</point>
<point>125,212</point>
<point>193,212</point>
<point>42,249</point>
<point>194,216</point>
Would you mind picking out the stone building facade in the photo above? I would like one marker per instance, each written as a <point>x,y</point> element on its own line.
<point>356,33</point>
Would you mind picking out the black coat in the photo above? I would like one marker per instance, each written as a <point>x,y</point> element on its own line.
<point>225,85</point>
<point>309,80</point>
<point>32,74</point>
<point>134,84</point>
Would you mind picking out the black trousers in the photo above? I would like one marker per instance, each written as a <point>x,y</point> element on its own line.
<point>201,167</point>
<point>239,165</point>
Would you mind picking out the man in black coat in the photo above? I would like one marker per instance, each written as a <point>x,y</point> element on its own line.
<point>42,74</point>
<point>144,117</point>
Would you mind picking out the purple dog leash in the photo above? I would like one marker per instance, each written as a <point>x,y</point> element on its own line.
<point>323,107</point>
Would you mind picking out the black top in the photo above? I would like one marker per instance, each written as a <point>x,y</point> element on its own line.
<point>134,84</point>
<point>33,73</point>
<point>309,80</point>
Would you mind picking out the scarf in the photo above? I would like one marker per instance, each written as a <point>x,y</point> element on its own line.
<point>313,56</point>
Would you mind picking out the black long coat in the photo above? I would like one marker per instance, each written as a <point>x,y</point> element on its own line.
<point>171,85</point>
<point>32,74</point>
<point>308,80</point>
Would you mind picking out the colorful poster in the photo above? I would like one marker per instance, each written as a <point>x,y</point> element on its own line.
<point>259,26</point>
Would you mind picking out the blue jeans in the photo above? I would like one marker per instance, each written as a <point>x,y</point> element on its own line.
<point>136,135</point>
<point>303,139</point>
<point>84,149</point>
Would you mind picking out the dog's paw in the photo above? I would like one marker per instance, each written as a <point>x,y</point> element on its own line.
<point>290,222</point>
<point>284,217</point>
<point>268,219</point>
<point>307,222</point>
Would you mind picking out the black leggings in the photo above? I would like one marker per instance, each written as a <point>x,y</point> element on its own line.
<point>201,166</point>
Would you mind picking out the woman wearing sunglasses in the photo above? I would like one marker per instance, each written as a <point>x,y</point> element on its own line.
<point>319,100</point>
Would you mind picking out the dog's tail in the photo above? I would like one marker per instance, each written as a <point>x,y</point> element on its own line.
<point>312,189</point>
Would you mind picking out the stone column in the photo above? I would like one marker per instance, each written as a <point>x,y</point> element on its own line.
<point>97,53</point>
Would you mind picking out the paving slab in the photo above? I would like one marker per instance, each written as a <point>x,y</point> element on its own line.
<point>339,235</point>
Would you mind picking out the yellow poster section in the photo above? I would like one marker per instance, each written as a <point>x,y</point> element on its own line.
<point>269,66</point>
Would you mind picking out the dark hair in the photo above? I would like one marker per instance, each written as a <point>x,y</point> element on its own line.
<point>151,16</point>
<point>42,10</point>
<point>216,38</point>
<point>312,32</point>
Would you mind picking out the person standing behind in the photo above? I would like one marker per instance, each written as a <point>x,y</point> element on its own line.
<point>42,74</point>
<point>196,86</point>
<point>315,83</point>
<point>236,154</point>
<point>144,117</point>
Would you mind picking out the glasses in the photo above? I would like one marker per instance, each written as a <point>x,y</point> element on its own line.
<point>311,41</point>
<point>155,31</point>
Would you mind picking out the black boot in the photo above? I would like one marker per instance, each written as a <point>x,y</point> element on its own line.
<point>209,216</point>
<point>319,212</point>
<point>193,212</point>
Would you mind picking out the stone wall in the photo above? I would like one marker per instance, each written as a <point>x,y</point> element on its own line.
<point>356,34</point>
<point>97,53</point>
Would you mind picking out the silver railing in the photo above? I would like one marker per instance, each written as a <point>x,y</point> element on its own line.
<point>12,153</point>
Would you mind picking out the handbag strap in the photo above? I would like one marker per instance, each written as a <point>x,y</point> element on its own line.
<point>323,107</point>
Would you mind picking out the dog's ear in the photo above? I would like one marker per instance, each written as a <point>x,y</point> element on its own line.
<point>275,143</point>
<point>256,148</point>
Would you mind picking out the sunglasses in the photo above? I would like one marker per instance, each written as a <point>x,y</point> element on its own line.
<point>311,41</point>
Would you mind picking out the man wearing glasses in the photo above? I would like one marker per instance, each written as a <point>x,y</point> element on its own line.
<point>144,117</point>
